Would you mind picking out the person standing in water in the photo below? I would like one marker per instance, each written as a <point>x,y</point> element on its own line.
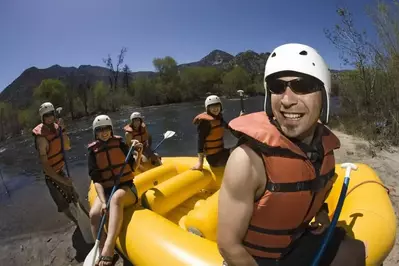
<point>48,144</point>
<point>106,158</point>
<point>278,178</point>
<point>137,129</point>
<point>210,129</point>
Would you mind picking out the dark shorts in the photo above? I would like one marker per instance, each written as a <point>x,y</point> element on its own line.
<point>218,159</point>
<point>129,184</point>
<point>61,194</point>
<point>306,248</point>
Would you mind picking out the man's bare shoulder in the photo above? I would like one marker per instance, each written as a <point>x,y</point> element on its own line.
<point>243,168</point>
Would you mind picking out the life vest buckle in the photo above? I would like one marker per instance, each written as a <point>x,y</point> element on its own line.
<point>275,187</point>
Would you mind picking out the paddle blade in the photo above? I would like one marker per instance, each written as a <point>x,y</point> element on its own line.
<point>168,134</point>
<point>93,255</point>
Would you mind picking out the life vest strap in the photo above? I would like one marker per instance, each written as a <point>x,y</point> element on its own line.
<point>213,148</point>
<point>214,140</point>
<point>106,148</point>
<point>111,167</point>
<point>54,155</point>
<point>57,162</point>
<point>265,249</point>
<point>311,185</point>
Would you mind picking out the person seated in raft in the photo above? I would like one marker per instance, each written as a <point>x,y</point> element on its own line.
<point>210,128</point>
<point>277,180</point>
<point>137,129</point>
<point>106,158</point>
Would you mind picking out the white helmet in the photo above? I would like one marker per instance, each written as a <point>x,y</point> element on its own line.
<point>45,108</point>
<point>101,121</point>
<point>135,115</point>
<point>212,99</point>
<point>303,59</point>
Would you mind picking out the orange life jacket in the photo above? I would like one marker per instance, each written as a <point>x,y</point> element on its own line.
<point>140,134</point>
<point>295,190</point>
<point>54,153</point>
<point>109,160</point>
<point>214,141</point>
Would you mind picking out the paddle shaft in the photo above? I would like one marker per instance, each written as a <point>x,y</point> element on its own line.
<point>242,102</point>
<point>159,144</point>
<point>334,221</point>
<point>104,216</point>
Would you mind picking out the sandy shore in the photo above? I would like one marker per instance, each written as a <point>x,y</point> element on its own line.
<point>60,244</point>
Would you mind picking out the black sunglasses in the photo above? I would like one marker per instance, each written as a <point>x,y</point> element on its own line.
<point>49,114</point>
<point>99,129</point>
<point>301,85</point>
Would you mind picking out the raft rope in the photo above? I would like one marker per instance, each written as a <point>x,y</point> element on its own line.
<point>366,182</point>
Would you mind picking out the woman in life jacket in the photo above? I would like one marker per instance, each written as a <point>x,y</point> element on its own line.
<point>210,129</point>
<point>106,158</point>
<point>48,144</point>
<point>138,130</point>
<point>277,180</point>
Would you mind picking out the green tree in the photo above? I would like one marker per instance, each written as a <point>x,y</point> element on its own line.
<point>144,91</point>
<point>236,79</point>
<point>101,96</point>
<point>166,68</point>
<point>51,90</point>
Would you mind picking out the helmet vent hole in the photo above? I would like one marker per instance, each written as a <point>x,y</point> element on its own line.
<point>303,53</point>
<point>313,64</point>
<point>273,54</point>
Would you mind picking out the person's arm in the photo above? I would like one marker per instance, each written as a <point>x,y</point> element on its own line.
<point>125,148</point>
<point>95,176</point>
<point>42,146</point>
<point>128,137</point>
<point>236,201</point>
<point>203,129</point>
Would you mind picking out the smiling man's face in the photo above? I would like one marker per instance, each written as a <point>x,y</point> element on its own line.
<point>297,114</point>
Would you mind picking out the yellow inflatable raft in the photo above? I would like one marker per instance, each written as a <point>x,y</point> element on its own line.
<point>177,225</point>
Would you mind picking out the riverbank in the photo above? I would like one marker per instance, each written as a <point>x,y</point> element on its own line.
<point>64,246</point>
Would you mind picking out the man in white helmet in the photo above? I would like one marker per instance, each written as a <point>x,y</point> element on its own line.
<point>279,176</point>
<point>48,145</point>
<point>210,127</point>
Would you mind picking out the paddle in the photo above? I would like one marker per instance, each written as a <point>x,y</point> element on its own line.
<point>77,212</point>
<point>241,93</point>
<point>349,167</point>
<point>94,254</point>
<point>168,134</point>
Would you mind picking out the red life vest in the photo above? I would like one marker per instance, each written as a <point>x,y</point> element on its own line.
<point>54,153</point>
<point>295,189</point>
<point>214,141</point>
<point>140,134</point>
<point>109,160</point>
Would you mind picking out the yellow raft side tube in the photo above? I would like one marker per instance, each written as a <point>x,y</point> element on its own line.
<point>147,238</point>
<point>367,213</point>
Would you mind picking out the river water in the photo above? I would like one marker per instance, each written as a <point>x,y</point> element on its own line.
<point>28,207</point>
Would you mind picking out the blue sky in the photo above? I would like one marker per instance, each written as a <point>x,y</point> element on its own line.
<point>42,33</point>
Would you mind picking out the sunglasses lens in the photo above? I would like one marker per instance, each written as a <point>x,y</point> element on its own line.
<point>48,114</point>
<point>303,85</point>
<point>306,85</point>
<point>100,129</point>
<point>276,86</point>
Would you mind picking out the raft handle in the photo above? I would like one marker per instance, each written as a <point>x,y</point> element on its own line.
<point>365,182</point>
